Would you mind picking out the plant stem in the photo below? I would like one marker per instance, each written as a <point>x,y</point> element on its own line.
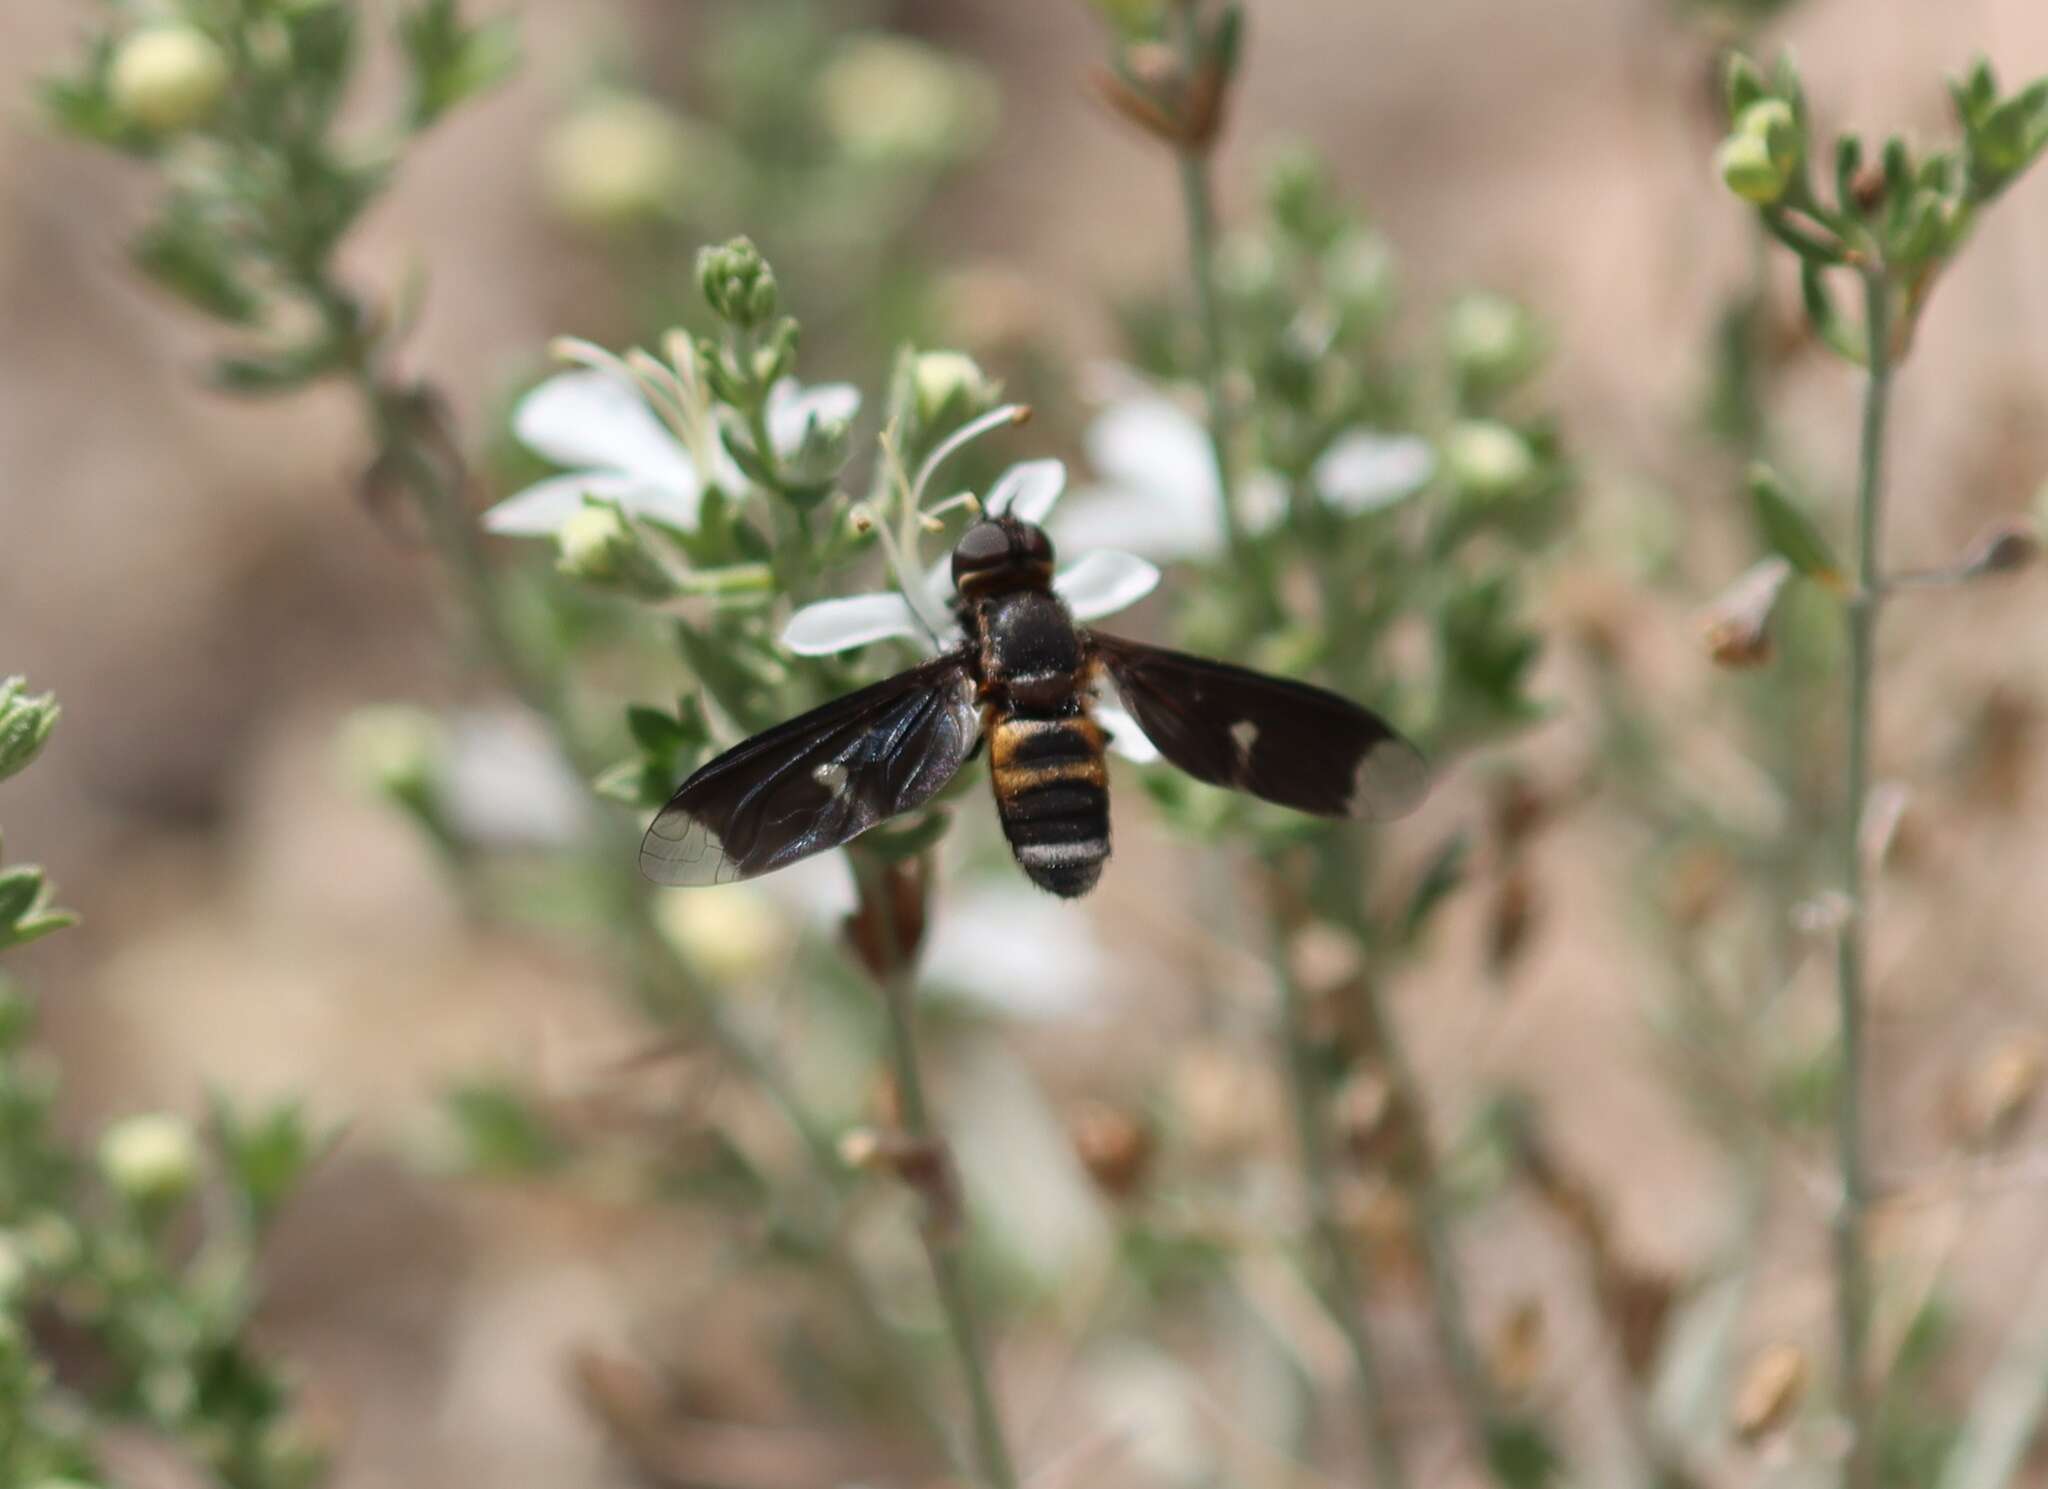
<point>1852,1261</point>
<point>939,1230</point>
<point>1415,1171</point>
<point>1342,1289</point>
<point>1199,207</point>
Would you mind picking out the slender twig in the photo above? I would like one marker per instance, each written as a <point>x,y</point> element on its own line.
<point>1415,1170</point>
<point>941,1226</point>
<point>1852,1262</point>
<point>1198,206</point>
<point>1341,1286</point>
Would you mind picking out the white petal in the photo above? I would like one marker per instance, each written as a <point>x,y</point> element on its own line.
<point>591,419</point>
<point>830,626</point>
<point>792,407</point>
<point>540,510</point>
<point>1140,522</point>
<point>1365,472</point>
<point>1125,737</point>
<point>1105,582</point>
<point>1155,446</point>
<point>1028,491</point>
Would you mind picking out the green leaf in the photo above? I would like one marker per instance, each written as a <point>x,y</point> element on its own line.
<point>266,1152</point>
<point>1788,531</point>
<point>450,61</point>
<point>502,1134</point>
<point>20,888</point>
<point>187,258</point>
<point>286,371</point>
<point>1520,1453</point>
<point>25,724</point>
<point>1744,84</point>
<point>654,731</point>
<point>35,927</point>
<point>1441,877</point>
<point>1845,340</point>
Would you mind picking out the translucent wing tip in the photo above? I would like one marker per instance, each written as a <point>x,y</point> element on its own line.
<point>1389,781</point>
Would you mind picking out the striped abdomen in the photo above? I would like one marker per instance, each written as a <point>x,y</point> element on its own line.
<point>1052,793</point>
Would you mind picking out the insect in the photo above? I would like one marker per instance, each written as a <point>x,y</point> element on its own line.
<point>1023,681</point>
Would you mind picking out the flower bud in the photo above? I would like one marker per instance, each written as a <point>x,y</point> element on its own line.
<point>598,546</point>
<point>397,751</point>
<point>886,98</point>
<point>1769,1392</point>
<point>737,283</point>
<point>620,160</point>
<point>1488,460</point>
<point>1114,1146</point>
<point>951,388</point>
<point>821,454</point>
<point>1491,340</point>
<point>168,78</point>
<point>1359,271</point>
<point>1757,162</point>
<point>151,1159</point>
<point>1737,625</point>
<point>25,723</point>
<point>733,936</point>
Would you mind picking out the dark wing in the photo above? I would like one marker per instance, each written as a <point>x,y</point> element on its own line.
<point>819,780</point>
<point>1287,742</point>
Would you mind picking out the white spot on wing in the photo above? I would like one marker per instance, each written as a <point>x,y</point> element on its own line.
<point>1244,734</point>
<point>831,776</point>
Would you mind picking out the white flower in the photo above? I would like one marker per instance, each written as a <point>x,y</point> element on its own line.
<point>598,422</point>
<point>1100,583</point>
<point>1161,497</point>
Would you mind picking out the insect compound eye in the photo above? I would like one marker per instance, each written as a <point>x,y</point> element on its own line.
<point>1032,542</point>
<point>986,545</point>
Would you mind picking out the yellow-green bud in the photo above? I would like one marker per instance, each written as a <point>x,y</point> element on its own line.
<point>733,936</point>
<point>1491,339</point>
<point>951,385</point>
<point>167,78</point>
<point>395,750</point>
<point>1361,274</point>
<point>598,546</point>
<point>1744,162</point>
<point>1757,162</point>
<point>151,1159</point>
<point>621,160</point>
<point>888,98</point>
<point>1488,460</point>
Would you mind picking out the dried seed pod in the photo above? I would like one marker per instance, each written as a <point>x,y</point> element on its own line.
<point>1736,626</point>
<point>2000,1090</point>
<point>1519,1350</point>
<point>1769,1392</point>
<point>1114,1146</point>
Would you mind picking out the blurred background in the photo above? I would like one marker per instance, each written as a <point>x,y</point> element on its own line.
<point>198,581</point>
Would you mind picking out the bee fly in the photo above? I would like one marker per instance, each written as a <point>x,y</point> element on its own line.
<point>1023,679</point>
